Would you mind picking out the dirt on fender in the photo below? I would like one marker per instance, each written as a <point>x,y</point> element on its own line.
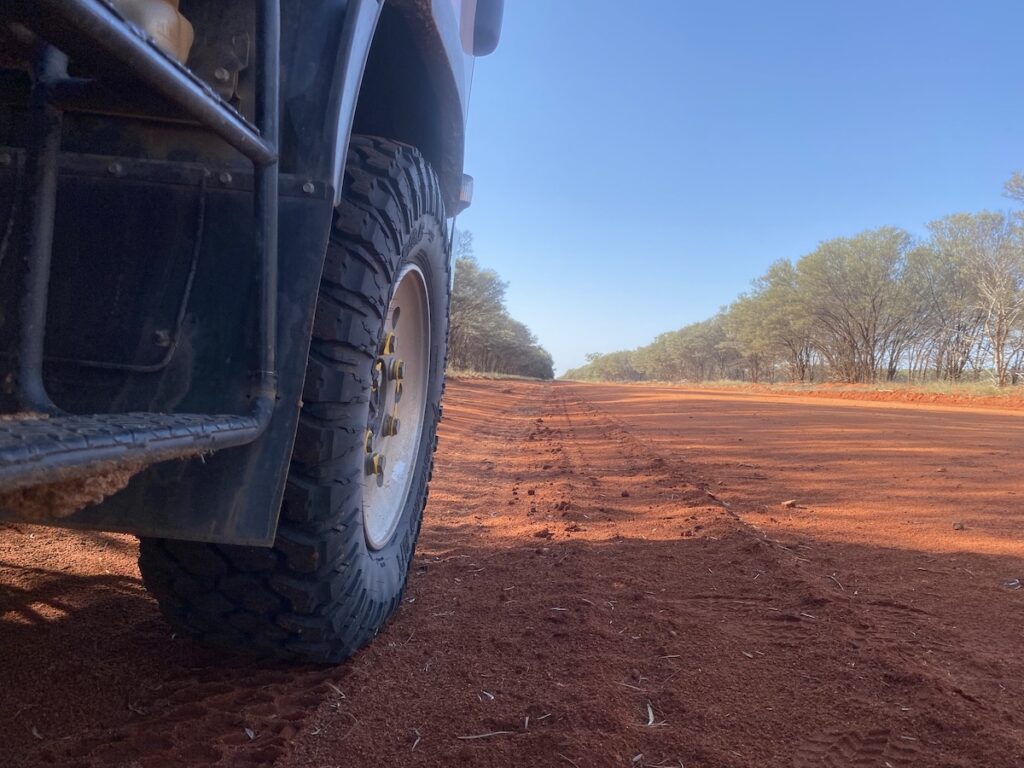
<point>607,576</point>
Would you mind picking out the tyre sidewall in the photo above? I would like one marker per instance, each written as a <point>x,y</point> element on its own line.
<point>386,568</point>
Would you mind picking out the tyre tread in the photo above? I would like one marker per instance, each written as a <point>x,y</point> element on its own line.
<point>306,598</point>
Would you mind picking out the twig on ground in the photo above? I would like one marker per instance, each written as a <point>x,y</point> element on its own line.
<point>335,688</point>
<point>627,685</point>
<point>485,735</point>
<point>650,718</point>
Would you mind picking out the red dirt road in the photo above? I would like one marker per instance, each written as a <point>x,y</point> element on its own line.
<point>606,577</point>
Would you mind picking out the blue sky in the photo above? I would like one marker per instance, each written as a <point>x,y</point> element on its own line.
<point>637,164</point>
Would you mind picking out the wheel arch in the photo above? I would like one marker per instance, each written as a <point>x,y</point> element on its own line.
<point>405,59</point>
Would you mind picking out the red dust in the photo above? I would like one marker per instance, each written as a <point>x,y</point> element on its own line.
<point>651,603</point>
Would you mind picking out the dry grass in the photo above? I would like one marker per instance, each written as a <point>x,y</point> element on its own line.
<point>457,373</point>
<point>964,388</point>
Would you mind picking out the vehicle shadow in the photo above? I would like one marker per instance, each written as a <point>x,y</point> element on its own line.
<point>94,676</point>
<point>739,648</point>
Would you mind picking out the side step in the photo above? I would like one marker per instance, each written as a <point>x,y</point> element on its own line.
<point>37,449</point>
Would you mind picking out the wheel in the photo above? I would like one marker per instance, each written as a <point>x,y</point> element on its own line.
<point>365,442</point>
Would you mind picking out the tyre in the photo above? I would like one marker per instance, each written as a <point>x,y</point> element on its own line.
<point>364,448</point>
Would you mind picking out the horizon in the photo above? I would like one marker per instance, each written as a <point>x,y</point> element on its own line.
<point>786,127</point>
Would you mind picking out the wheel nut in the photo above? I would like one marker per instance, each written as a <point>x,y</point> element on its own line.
<point>391,425</point>
<point>375,464</point>
<point>397,369</point>
<point>398,391</point>
<point>389,343</point>
<point>368,441</point>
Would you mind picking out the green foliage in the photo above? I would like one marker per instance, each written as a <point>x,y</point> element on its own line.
<point>482,335</point>
<point>615,366</point>
<point>877,306</point>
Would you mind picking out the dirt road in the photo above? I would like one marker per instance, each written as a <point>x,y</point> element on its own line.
<point>607,577</point>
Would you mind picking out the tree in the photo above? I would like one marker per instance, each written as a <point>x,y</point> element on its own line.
<point>951,312</point>
<point>771,324</point>
<point>997,263</point>
<point>614,366</point>
<point>1014,187</point>
<point>481,334</point>
<point>856,300</point>
<point>877,305</point>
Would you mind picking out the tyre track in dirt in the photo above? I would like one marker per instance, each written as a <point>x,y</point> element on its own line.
<point>577,598</point>
<point>596,602</point>
<point>947,674</point>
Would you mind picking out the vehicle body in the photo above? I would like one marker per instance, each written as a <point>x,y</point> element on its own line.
<point>161,294</point>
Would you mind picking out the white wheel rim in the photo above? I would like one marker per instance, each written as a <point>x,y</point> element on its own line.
<point>392,458</point>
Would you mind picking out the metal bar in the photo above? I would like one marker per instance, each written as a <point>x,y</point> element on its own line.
<point>104,29</point>
<point>265,191</point>
<point>39,207</point>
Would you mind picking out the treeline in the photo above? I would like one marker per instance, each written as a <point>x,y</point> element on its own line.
<point>482,335</point>
<point>878,306</point>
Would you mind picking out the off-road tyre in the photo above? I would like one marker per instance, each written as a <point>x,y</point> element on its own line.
<point>321,592</point>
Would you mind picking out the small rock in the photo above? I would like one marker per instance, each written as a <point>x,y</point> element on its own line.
<point>958,526</point>
<point>625,494</point>
<point>531,492</point>
<point>789,504</point>
<point>1013,584</point>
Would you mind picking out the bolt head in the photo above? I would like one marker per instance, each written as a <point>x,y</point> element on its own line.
<point>162,338</point>
<point>221,75</point>
<point>224,177</point>
<point>309,187</point>
<point>375,464</point>
<point>115,169</point>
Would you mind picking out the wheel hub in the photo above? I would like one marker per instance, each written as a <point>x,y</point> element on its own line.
<point>398,398</point>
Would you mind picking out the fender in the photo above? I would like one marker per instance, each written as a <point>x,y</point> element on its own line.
<point>439,54</point>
